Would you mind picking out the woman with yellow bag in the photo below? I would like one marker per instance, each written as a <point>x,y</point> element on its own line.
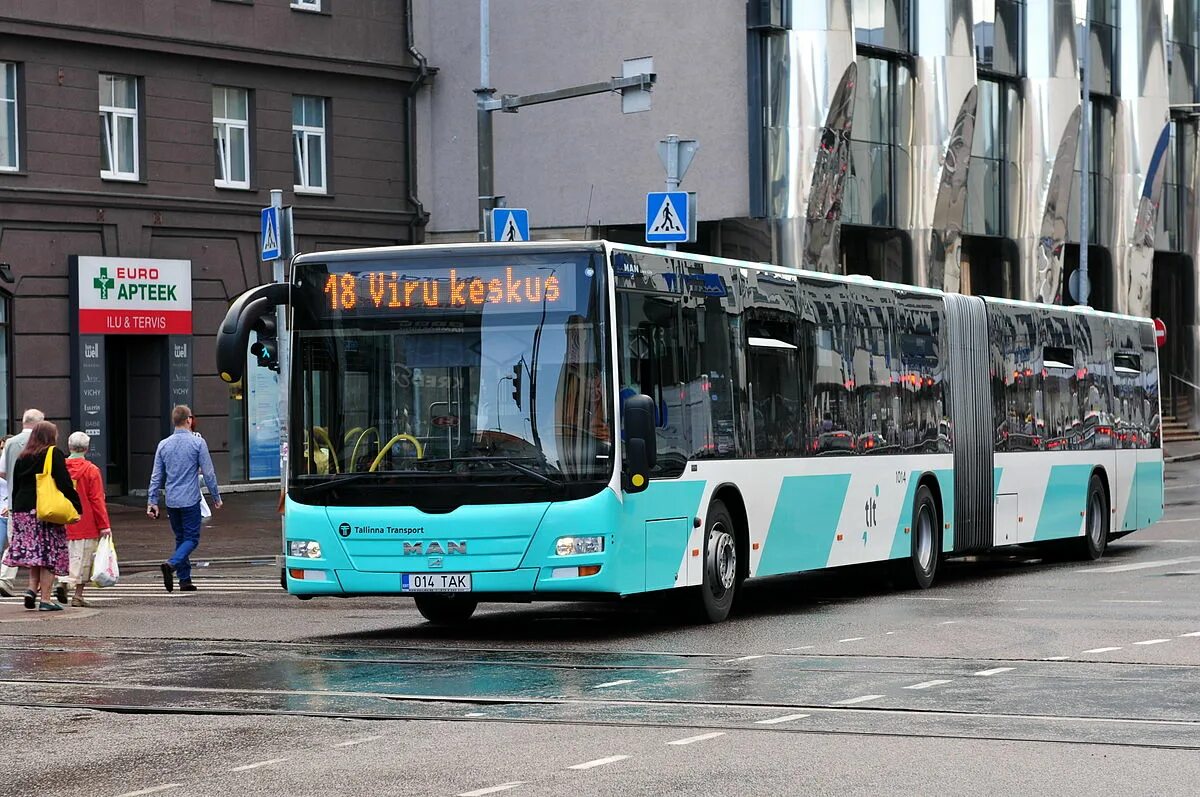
<point>43,502</point>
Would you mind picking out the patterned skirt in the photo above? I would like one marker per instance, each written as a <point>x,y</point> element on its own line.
<point>33,543</point>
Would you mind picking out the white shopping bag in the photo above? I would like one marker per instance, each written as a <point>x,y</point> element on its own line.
<point>205,511</point>
<point>105,571</point>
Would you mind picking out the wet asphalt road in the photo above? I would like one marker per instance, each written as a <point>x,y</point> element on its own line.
<point>1013,675</point>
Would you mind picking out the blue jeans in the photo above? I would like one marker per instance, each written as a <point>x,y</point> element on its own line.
<point>185,523</point>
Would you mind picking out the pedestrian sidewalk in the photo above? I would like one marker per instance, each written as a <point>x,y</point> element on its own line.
<point>247,526</point>
<point>1185,451</point>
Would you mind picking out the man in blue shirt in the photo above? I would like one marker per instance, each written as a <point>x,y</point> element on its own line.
<point>176,462</point>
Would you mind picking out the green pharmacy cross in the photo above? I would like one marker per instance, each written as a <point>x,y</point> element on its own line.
<point>103,283</point>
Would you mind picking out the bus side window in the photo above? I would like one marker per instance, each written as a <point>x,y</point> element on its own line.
<point>773,385</point>
<point>651,360</point>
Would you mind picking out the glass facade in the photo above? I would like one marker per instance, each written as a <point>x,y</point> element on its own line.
<point>883,23</point>
<point>869,190</point>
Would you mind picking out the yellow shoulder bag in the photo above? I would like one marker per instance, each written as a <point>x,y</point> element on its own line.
<point>52,505</point>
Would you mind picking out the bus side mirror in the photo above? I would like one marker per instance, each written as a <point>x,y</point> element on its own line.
<point>641,449</point>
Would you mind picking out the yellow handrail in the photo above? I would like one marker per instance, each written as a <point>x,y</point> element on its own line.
<point>319,432</point>
<point>354,454</point>
<point>416,444</point>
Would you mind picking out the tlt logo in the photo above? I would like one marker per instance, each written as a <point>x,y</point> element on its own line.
<point>871,509</point>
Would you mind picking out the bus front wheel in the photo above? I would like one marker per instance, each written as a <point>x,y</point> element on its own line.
<point>720,565</point>
<point>919,570</point>
<point>446,609</point>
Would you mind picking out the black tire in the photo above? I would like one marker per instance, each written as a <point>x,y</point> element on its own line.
<point>721,567</point>
<point>925,538</point>
<point>1095,526</point>
<point>446,609</point>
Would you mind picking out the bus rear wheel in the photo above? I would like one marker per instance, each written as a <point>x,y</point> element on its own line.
<point>721,576</point>
<point>446,609</point>
<point>1095,527</point>
<point>920,569</point>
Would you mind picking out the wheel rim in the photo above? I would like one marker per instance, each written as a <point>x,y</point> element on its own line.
<point>1095,520</point>
<point>722,558</point>
<point>924,538</point>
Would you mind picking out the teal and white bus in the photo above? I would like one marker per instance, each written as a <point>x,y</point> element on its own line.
<point>551,421</point>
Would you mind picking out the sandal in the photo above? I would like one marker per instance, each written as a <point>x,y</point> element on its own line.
<point>30,599</point>
<point>49,607</point>
<point>81,603</point>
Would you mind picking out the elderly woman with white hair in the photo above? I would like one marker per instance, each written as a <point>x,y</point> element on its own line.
<point>84,537</point>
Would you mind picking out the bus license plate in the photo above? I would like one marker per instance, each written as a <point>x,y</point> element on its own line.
<point>435,582</point>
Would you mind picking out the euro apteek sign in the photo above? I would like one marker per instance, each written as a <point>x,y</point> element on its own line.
<point>134,296</point>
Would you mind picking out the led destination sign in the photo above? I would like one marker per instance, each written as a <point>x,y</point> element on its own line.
<point>493,288</point>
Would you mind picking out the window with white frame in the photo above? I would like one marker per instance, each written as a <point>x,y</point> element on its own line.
<point>306,5</point>
<point>119,126</point>
<point>8,117</point>
<point>308,143</point>
<point>231,137</point>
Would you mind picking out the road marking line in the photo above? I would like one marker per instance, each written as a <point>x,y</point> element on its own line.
<point>257,764</point>
<point>1056,658</point>
<point>852,639</point>
<point>1151,641</point>
<point>1144,565</point>
<point>802,647</point>
<point>493,789</point>
<point>927,684</point>
<point>743,658</point>
<point>948,622</point>
<point>924,598</point>
<point>363,740</point>
<point>474,714</point>
<point>1103,650</point>
<point>1127,601</point>
<point>1181,520</point>
<point>777,720</point>
<point>619,682</point>
<point>599,762</point>
<point>994,671</point>
<point>152,790</point>
<point>1180,486</point>
<point>888,633</point>
<point>1194,633</point>
<point>672,672</point>
<point>701,738</point>
<point>852,700</point>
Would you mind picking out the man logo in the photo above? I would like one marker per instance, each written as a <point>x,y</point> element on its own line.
<point>344,529</point>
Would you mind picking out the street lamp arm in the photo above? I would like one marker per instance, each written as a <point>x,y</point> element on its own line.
<point>511,103</point>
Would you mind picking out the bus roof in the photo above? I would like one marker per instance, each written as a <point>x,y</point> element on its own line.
<point>562,245</point>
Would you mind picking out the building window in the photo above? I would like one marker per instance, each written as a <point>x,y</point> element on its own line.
<point>9,160</point>
<point>988,177</point>
<point>1102,53</point>
<point>998,40</point>
<point>5,368</point>
<point>119,124</point>
<point>872,145</point>
<point>231,137</point>
<point>306,5</point>
<point>308,143</point>
<point>883,23</point>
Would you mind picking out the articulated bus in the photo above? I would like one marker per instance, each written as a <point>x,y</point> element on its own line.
<point>553,421</point>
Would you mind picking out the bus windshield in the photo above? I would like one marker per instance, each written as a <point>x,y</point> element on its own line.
<point>438,381</point>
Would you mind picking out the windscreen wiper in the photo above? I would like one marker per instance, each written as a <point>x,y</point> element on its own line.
<point>525,469</point>
<point>328,485</point>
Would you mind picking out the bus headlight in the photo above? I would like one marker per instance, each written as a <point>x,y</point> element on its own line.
<point>568,546</point>
<point>306,548</point>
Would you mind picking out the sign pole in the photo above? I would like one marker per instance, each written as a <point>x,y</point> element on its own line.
<point>287,247</point>
<point>672,163</point>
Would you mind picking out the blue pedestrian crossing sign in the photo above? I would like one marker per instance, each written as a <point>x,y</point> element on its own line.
<point>667,217</point>
<point>510,224</point>
<point>271,247</point>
